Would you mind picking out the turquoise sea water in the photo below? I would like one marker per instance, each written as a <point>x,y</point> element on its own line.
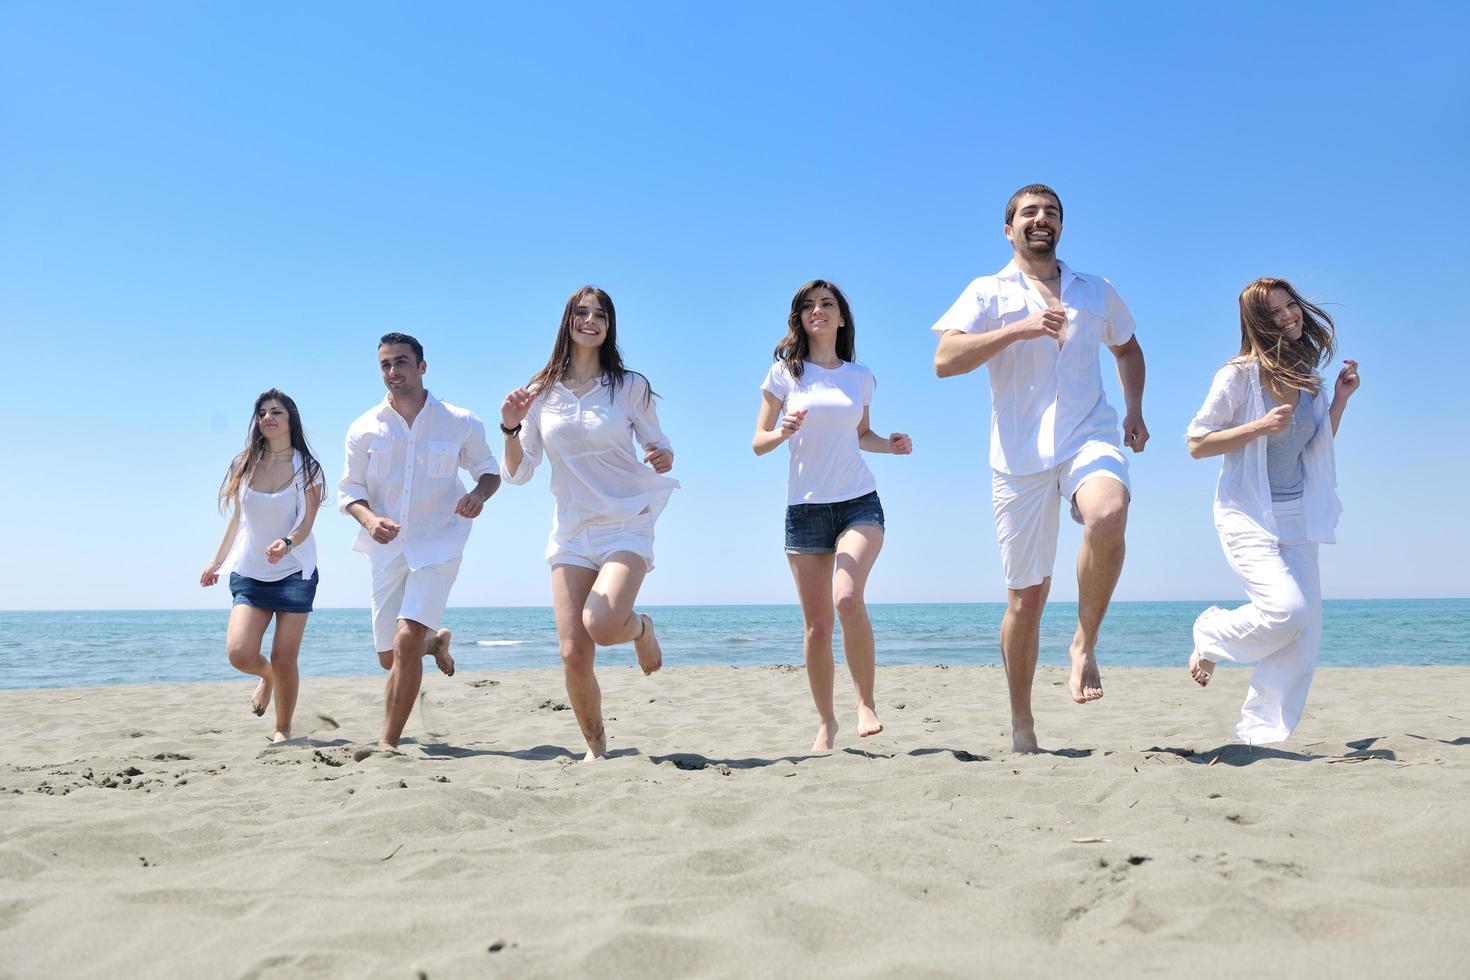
<point>64,649</point>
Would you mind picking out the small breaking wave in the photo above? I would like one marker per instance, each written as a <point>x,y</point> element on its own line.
<point>499,643</point>
<point>739,639</point>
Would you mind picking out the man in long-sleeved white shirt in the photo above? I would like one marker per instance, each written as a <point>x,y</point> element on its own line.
<point>1038,325</point>
<point>402,485</point>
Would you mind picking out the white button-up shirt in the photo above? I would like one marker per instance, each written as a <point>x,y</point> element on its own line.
<point>595,475</point>
<point>1243,495</point>
<point>411,475</point>
<point>1046,402</point>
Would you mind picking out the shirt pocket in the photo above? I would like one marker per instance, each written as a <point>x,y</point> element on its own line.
<point>443,459</point>
<point>380,458</point>
<point>1086,322</point>
<point>1009,308</point>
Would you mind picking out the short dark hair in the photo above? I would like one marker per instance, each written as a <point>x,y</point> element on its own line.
<point>1031,189</point>
<point>403,338</point>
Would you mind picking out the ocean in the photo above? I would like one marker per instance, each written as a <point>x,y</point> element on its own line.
<point>65,649</point>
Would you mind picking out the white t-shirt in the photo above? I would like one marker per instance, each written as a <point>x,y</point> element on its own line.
<point>826,464</point>
<point>1046,402</point>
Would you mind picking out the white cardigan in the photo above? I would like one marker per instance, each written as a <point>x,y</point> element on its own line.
<point>1244,492</point>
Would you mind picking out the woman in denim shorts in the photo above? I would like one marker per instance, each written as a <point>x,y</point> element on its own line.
<point>273,489</point>
<point>815,397</point>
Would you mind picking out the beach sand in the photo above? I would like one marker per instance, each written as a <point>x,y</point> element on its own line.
<point>151,831</point>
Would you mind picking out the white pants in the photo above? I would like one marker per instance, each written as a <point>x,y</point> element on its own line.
<point>1279,630</point>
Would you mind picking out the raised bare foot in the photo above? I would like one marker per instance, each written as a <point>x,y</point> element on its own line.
<point>1201,669</point>
<point>1085,683</point>
<point>438,648</point>
<point>261,699</point>
<point>868,723</point>
<point>1023,736</point>
<point>650,655</point>
<point>826,735</point>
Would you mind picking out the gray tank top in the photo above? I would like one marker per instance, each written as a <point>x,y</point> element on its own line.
<point>1284,469</point>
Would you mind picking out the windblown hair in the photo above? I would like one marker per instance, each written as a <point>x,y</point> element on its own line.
<point>609,358</point>
<point>1031,189</point>
<point>1293,363</point>
<point>243,465</point>
<point>794,348</point>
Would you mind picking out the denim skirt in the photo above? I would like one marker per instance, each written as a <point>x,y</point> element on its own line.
<point>292,594</point>
<point>813,529</point>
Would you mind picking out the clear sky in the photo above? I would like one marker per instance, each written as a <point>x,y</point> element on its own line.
<point>200,201</point>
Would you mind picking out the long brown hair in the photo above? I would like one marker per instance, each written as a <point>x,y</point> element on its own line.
<point>243,465</point>
<point>1293,363</point>
<point>795,347</point>
<point>609,358</point>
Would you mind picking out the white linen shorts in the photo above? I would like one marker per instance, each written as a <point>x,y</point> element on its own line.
<point>1026,521</point>
<point>592,546</point>
<point>402,593</point>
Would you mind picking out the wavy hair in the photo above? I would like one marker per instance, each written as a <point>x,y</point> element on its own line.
<point>795,347</point>
<point>243,465</point>
<point>609,358</point>
<point>1290,362</point>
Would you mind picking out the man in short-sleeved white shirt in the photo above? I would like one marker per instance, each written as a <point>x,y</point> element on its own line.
<point>401,483</point>
<point>1039,326</point>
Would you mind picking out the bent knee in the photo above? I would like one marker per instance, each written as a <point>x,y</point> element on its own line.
<point>1107,520</point>
<point>385,659</point>
<point>1288,613</point>
<point>600,626</point>
<point>848,603</point>
<point>1027,602</point>
<point>243,658</point>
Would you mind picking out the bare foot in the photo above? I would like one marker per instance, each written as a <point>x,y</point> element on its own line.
<point>868,723</point>
<point>596,747</point>
<point>438,648</point>
<point>650,655</point>
<point>1085,684</point>
<point>1201,669</point>
<point>281,735</point>
<point>261,699</point>
<point>386,746</point>
<point>826,735</point>
<point>1023,737</point>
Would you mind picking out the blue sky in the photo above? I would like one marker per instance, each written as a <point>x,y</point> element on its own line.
<point>200,201</point>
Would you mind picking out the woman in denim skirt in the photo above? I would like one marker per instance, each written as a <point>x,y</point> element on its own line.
<point>815,397</point>
<point>272,491</point>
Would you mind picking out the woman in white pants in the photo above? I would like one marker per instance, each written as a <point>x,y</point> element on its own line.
<point>584,410</point>
<point>1267,414</point>
<point>815,399</point>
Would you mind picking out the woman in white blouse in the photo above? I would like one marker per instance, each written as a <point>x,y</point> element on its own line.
<point>815,398</point>
<point>1267,414</point>
<point>585,410</point>
<point>272,489</point>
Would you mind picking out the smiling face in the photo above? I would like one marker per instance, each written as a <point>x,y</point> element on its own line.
<point>589,321</point>
<point>820,313</point>
<point>403,373</point>
<point>273,420</point>
<point>1037,225</point>
<point>1285,312</point>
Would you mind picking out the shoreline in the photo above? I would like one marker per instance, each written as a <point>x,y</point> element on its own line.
<point>713,843</point>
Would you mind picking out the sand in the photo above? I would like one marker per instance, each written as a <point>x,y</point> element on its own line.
<point>151,831</point>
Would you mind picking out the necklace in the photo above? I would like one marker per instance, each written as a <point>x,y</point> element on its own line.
<point>280,452</point>
<point>1048,279</point>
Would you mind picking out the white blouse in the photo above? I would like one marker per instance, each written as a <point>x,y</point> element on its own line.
<point>596,475</point>
<point>1243,493</point>
<point>264,517</point>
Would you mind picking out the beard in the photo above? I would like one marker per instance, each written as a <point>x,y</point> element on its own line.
<point>1041,248</point>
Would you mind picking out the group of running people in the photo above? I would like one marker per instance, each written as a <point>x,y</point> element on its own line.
<point>1037,324</point>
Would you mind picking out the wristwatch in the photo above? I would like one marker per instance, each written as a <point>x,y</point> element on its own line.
<point>512,432</point>
<point>289,545</point>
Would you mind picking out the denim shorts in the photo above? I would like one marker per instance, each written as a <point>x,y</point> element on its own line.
<point>292,594</point>
<point>813,529</point>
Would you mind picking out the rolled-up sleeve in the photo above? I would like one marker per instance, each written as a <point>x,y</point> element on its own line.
<point>353,485</point>
<point>475,455</point>
<point>644,416</point>
<point>530,439</point>
<point>1222,404</point>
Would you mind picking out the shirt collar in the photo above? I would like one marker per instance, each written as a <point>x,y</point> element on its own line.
<point>1013,272</point>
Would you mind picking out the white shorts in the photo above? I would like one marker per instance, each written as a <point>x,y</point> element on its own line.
<point>594,544</point>
<point>1026,521</point>
<point>399,593</point>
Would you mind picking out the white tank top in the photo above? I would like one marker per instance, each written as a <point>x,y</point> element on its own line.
<point>264,517</point>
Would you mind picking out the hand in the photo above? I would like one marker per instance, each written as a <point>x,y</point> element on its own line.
<point>662,460</point>
<point>513,410</point>
<point>1135,433</point>
<point>1276,420</point>
<point>276,551</point>
<point>470,505</point>
<point>1347,381</point>
<point>1048,323</point>
<point>790,422</point>
<point>382,529</point>
<point>210,576</point>
<point>900,444</point>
